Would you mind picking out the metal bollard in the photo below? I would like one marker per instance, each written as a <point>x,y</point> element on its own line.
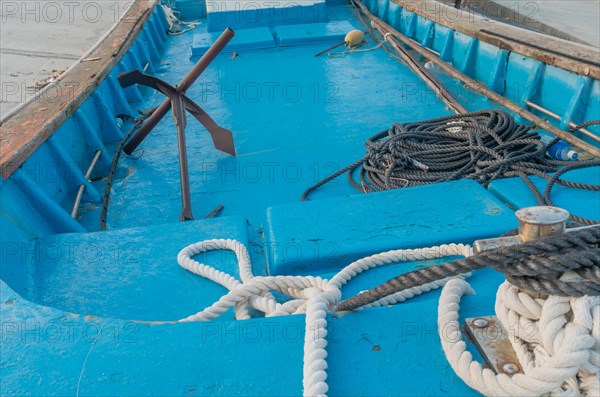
<point>534,223</point>
<point>542,221</point>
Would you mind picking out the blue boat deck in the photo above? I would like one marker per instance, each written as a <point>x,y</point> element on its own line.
<point>295,119</point>
<point>92,313</point>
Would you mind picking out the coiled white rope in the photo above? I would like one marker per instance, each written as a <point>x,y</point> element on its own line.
<point>556,339</point>
<point>311,295</point>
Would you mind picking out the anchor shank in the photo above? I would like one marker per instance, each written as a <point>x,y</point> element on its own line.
<point>180,121</point>
<point>206,59</point>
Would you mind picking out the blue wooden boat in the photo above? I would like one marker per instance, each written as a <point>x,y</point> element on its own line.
<point>98,291</point>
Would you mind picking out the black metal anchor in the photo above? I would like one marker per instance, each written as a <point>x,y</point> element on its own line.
<point>179,102</point>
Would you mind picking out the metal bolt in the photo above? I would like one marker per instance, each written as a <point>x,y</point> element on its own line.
<point>510,368</point>
<point>480,323</point>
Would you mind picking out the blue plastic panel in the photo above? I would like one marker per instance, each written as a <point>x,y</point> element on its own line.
<point>374,352</point>
<point>127,273</point>
<point>190,9</point>
<point>313,33</point>
<point>245,39</point>
<point>585,203</point>
<point>268,13</point>
<point>329,234</point>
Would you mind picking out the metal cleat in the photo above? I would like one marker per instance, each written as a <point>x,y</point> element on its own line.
<point>492,341</point>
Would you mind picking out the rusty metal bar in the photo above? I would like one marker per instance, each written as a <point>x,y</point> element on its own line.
<point>475,85</point>
<point>555,116</point>
<point>420,70</point>
<point>543,110</point>
<point>184,178</point>
<point>492,341</point>
<point>81,190</point>
<point>215,212</point>
<point>185,83</point>
<point>423,73</point>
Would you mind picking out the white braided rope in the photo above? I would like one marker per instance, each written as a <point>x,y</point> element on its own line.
<point>311,295</point>
<point>559,357</point>
<point>176,24</point>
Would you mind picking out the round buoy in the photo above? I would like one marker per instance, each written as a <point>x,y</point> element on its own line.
<point>354,38</point>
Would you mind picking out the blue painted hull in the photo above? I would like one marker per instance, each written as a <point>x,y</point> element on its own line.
<point>89,312</point>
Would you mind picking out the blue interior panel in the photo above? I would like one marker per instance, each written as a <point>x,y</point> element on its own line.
<point>86,312</point>
<point>127,273</point>
<point>245,39</point>
<point>190,9</point>
<point>334,31</point>
<point>373,352</point>
<point>585,203</point>
<point>269,13</point>
<point>328,234</point>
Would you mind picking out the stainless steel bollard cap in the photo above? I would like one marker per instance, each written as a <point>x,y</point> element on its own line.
<point>541,221</point>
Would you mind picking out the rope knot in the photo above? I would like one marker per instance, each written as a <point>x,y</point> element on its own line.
<point>312,292</point>
<point>554,323</point>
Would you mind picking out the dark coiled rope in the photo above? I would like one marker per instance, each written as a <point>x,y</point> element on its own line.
<point>535,266</point>
<point>555,178</point>
<point>483,146</point>
<point>137,123</point>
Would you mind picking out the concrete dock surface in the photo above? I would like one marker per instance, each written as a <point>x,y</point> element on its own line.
<point>580,18</point>
<point>574,20</point>
<point>39,39</point>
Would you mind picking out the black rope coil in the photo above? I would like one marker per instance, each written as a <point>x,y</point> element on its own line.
<point>535,266</point>
<point>483,146</point>
<point>137,123</point>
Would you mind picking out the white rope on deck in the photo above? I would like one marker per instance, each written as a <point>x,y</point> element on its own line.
<point>176,25</point>
<point>556,339</point>
<point>313,296</point>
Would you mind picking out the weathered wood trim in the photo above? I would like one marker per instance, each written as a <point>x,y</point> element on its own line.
<point>575,57</point>
<point>28,129</point>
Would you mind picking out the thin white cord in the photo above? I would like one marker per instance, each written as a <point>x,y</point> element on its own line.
<point>176,24</point>
<point>354,49</point>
